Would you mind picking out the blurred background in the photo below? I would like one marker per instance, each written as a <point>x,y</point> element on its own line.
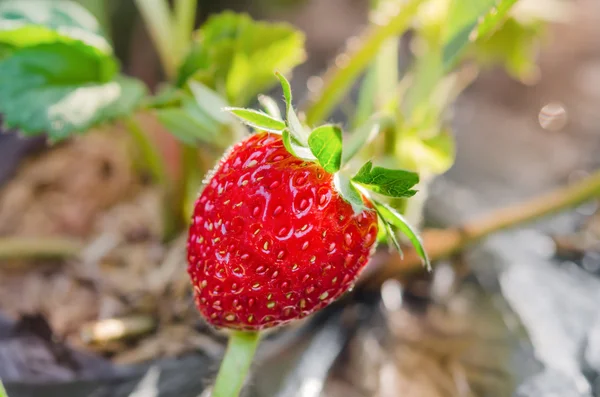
<point>517,315</point>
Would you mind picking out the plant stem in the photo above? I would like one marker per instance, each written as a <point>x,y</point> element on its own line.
<point>235,364</point>
<point>340,77</point>
<point>151,156</point>
<point>440,244</point>
<point>185,18</point>
<point>38,248</point>
<point>158,19</point>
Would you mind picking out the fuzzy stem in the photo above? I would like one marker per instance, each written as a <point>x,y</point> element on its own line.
<point>38,247</point>
<point>340,77</point>
<point>158,19</point>
<point>235,364</point>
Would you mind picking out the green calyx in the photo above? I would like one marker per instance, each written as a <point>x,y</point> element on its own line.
<point>324,145</point>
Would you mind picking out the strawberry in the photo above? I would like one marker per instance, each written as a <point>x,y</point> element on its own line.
<point>279,231</point>
<point>271,239</point>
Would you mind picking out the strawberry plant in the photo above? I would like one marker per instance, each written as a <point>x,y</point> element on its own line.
<point>293,210</point>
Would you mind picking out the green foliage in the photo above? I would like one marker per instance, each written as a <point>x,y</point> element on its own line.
<point>57,73</point>
<point>270,106</point>
<point>2,390</point>
<point>395,221</point>
<point>325,143</point>
<point>433,155</point>
<point>513,46</point>
<point>62,88</point>
<point>237,56</point>
<point>392,183</point>
<point>33,22</point>
<point>462,20</point>
<point>258,120</point>
<point>295,147</point>
<point>199,117</point>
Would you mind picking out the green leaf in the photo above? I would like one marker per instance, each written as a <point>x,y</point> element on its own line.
<point>294,148</point>
<point>513,46</point>
<point>343,185</point>
<point>390,234</point>
<point>463,21</point>
<point>360,138</point>
<point>434,155</point>
<point>184,126</point>
<point>396,220</point>
<point>270,106</point>
<point>494,20</point>
<point>210,102</point>
<point>63,88</point>
<point>392,183</point>
<point>325,143</point>
<point>33,22</point>
<point>258,120</point>
<point>2,390</point>
<point>296,128</point>
<point>234,53</point>
<point>167,96</point>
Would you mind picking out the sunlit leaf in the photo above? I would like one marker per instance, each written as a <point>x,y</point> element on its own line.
<point>463,18</point>
<point>185,126</point>
<point>494,20</point>
<point>257,119</point>
<point>388,182</point>
<point>294,148</point>
<point>395,219</point>
<point>270,106</point>
<point>25,23</point>
<point>61,88</point>
<point>325,143</point>
<point>434,155</point>
<point>513,46</point>
<point>234,53</point>
<point>210,102</point>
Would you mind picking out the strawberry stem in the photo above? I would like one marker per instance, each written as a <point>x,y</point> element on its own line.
<point>235,364</point>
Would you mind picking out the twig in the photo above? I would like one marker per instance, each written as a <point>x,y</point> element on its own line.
<point>38,248</point>
<point>441,243</point>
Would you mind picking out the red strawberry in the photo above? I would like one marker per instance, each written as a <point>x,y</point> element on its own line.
<point>271,239</point>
